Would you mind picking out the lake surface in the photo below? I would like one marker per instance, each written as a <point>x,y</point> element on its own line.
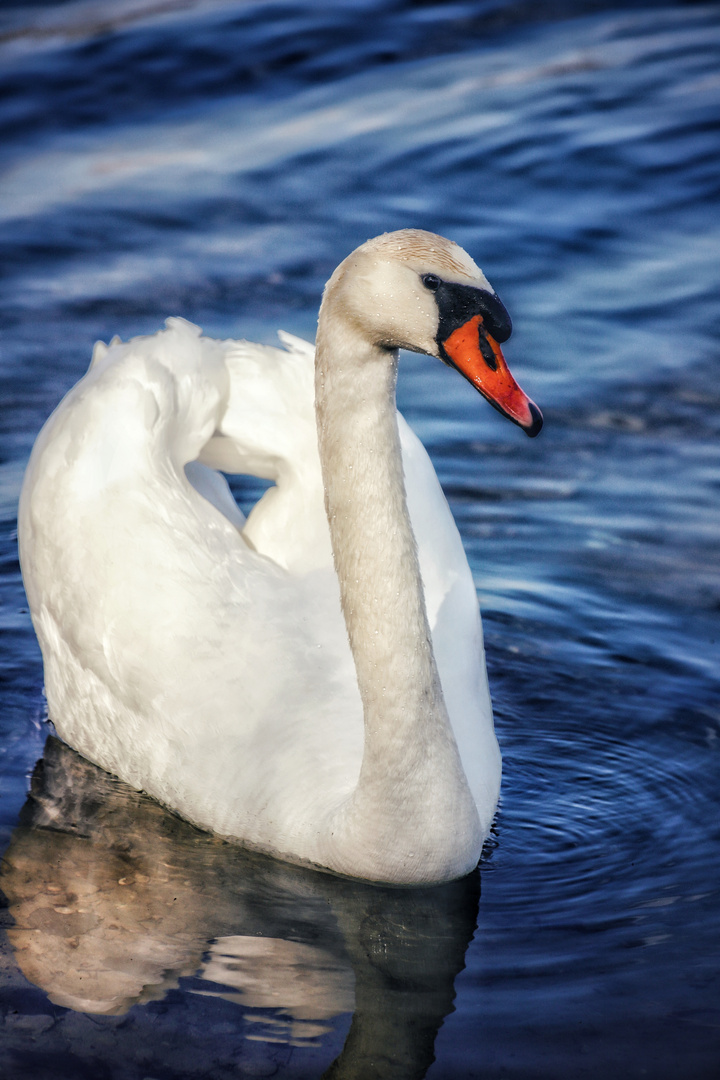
<point>216,160</point>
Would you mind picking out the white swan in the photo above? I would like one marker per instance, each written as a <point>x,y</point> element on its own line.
<point>205,659</point>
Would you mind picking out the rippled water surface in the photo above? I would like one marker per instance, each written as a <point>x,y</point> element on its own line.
<point>216,160</point>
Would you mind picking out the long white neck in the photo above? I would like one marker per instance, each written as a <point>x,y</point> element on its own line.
<point>412,816</point>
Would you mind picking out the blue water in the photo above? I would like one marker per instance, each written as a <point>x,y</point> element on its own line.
<point>216,160</point>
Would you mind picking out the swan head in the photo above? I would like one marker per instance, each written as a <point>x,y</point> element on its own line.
<point>415,290</point>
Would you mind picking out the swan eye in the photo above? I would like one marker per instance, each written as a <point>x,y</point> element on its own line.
<point>431,282</point>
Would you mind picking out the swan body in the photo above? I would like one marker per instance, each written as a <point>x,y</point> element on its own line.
<point>311,680</point>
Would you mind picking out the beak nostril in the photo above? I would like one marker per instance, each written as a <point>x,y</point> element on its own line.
<point>486,348</point>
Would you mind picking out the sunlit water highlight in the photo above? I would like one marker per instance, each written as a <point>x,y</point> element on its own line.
<point>192,162</point>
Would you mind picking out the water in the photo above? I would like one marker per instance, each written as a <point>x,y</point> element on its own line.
<point>216,160</point>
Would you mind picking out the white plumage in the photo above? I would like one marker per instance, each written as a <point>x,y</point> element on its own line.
<point>205,658</point>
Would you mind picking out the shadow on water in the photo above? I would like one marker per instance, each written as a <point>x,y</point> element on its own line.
<point>117,903</point>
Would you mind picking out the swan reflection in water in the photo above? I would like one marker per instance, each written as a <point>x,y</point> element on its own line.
<point>114,900</point>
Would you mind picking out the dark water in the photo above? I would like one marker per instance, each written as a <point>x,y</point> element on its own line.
<point>216,160</point>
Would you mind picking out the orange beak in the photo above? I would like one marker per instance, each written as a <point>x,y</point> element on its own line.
<point>479,358</point>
